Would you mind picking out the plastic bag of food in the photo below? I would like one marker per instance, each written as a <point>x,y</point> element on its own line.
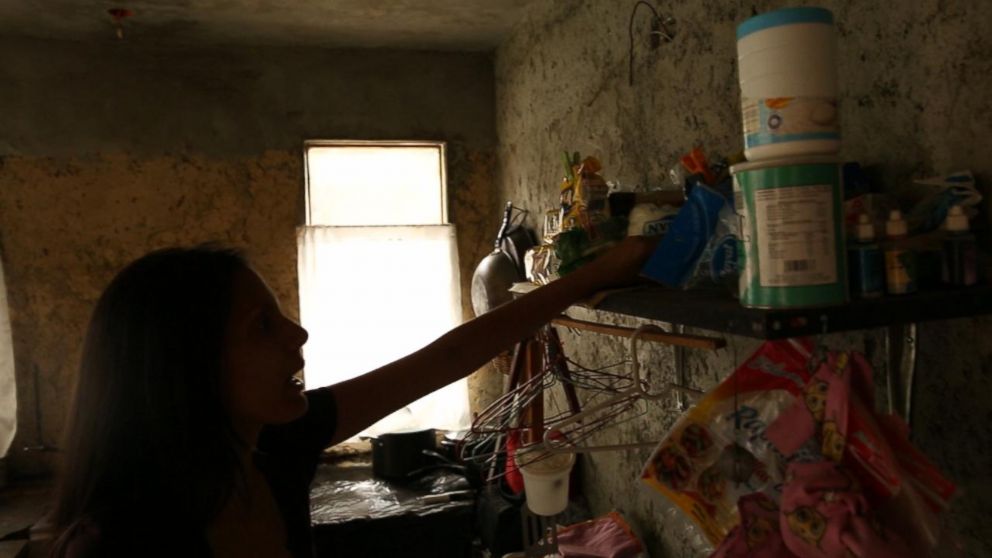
<point>894,488</point>
<point>718,452</point>
<point>607,536</point>
<point>718,265</point>
<point>674,260</point>
<point>758,535</point>
<point>583,194</point>
<point>574,247</point>
<point>541,264</point>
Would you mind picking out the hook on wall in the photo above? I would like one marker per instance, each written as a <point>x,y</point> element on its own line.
<point>662,30</point>
<point>119,15</point>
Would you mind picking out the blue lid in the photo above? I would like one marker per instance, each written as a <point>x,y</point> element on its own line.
<point>784,16</point>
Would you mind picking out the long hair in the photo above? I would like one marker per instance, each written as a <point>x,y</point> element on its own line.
<point>148,431</point>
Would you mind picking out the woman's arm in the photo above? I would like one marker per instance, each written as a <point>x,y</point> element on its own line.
<point>365,399</point>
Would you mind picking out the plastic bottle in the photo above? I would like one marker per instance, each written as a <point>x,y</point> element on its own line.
<point>900,260</point>
<point>866,267</point>
<point>959,252</point>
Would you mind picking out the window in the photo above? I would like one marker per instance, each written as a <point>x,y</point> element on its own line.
<point>378,268</point>
<point>8,391</point>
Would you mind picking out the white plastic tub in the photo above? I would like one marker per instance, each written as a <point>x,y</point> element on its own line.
<point>545,479</point>
<point>788,77</point>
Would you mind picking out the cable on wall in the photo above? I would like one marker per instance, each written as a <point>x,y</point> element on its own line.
<point>661,30</point>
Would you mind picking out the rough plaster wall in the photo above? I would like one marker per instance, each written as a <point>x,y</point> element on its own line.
<point>915,102</point>
<point>69,225</point>
<point>110,150</point>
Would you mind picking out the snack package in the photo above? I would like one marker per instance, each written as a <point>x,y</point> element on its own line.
<point>583,195</point>
<point>834,416</point>
<point>648,219</point>
<point>607,536</point>
<point>574,247</point>
<point>824,513</point>
<point>552,225</point>
<point>674,260</point>
<point>718,265</point>
<point>758,535</point>
<point>718,452</point>
<point>541,264</point>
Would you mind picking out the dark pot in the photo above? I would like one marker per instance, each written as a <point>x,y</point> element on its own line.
<point>397,454</point>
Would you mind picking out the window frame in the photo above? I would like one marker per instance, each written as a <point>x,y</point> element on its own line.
<point>441,146</point>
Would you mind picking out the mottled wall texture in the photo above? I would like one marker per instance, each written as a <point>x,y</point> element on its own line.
<point>110,150</point>
<point>915,78</point>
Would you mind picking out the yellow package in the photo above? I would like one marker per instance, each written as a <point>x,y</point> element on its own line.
<point>718,452</point>
<point>583,196</point>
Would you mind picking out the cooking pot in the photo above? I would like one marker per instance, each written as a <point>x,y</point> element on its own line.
<point>397,454</point>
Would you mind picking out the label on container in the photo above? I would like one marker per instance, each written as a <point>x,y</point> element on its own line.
<point>785,119</point>
<point>795,233</point>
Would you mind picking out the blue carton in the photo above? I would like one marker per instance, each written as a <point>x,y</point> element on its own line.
<point>674,260</point>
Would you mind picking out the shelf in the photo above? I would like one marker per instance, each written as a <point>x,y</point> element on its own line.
<point>718,311</point>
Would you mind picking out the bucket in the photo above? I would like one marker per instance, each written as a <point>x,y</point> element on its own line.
<point>792,235</point>
<point>545,480</point>
<point>786,61</point>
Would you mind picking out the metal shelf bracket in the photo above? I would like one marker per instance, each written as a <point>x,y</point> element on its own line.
<point>901,342</point>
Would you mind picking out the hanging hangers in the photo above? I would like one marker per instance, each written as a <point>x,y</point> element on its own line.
<point>556,437</point>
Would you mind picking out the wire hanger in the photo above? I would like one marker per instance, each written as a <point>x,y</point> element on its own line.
<point>556,436</point>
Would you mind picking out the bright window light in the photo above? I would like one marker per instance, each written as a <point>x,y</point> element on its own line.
<point>360,185</point>
<point>378,278</point>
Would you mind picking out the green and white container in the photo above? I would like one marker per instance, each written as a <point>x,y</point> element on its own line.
<point>791,229</point>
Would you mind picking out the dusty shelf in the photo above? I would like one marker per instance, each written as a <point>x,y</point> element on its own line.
<point>718,311</point>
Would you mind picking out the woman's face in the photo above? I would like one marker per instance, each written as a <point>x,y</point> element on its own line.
<point>261,358</point>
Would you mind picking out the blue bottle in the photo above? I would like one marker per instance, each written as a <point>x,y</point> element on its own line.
<point>865,263</point>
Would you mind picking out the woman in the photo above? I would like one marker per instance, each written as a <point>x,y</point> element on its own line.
<point>190,434</point>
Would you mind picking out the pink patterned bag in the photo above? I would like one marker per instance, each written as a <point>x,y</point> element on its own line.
<point>829,503</point>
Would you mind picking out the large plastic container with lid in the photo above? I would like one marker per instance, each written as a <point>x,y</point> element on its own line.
<point>793,253</point>
<point>788,77</point>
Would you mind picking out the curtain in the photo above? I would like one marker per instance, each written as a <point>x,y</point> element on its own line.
<point>371,295</point>
<point>8,393</point>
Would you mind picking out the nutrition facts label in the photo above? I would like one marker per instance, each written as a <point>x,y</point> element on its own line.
<point>795,233</point>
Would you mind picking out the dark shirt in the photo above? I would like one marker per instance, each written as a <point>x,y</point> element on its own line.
<point>287,456</point>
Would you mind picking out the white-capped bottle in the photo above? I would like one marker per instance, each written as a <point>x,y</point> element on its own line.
<point>959,253</point>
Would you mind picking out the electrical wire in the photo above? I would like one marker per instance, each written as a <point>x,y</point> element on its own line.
<point>630,35</point>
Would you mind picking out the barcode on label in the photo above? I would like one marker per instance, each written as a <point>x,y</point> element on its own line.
<point>796,265</point>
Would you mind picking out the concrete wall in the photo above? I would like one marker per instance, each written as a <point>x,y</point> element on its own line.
<point>915,81</point>
<point>110,150</point>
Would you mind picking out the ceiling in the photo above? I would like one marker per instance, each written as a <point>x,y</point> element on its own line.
<point>459,25</point>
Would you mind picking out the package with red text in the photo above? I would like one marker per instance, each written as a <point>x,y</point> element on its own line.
<point>718,452</point>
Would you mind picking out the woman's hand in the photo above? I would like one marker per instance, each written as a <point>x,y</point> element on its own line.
<point>620,265</point>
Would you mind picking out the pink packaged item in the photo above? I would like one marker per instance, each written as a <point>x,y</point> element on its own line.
<point>850,463</point>
<point>608,536</point>
<point>758,535</point>
<point>718,451</point>
<point>825,515</point>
